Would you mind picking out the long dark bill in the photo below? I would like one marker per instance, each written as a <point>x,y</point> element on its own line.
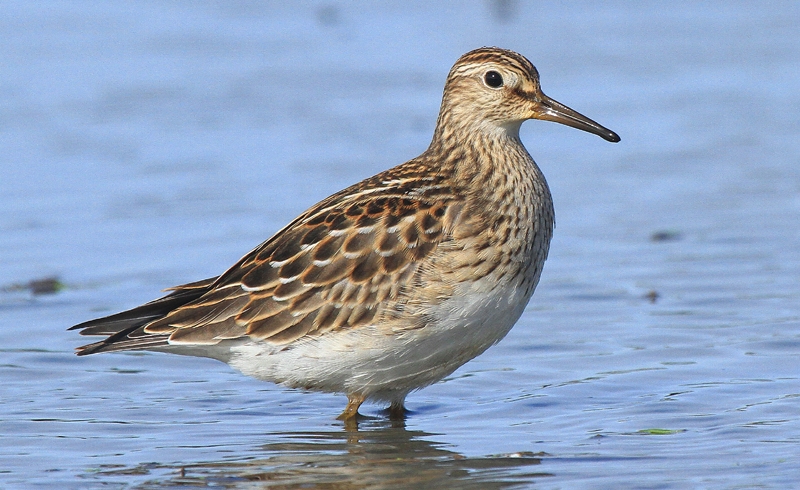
<point>552,110</point>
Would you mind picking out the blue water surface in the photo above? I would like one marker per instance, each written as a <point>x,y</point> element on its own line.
<point>148,144</point>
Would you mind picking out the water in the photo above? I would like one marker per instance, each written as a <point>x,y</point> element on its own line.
<point>151,144</point>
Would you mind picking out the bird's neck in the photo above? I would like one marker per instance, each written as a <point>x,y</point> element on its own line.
<point>494,169</point>
<point>482,151</point>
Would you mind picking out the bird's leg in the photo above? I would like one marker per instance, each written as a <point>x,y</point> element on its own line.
<point>397,411</point>
<point>351,411</point>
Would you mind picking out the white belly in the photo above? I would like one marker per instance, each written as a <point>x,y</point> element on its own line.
<point>385,365</point>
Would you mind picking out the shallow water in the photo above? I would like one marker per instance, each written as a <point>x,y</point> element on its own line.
<point>151,144</point>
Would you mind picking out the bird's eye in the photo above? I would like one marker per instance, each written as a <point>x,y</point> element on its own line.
<point>493,79</point>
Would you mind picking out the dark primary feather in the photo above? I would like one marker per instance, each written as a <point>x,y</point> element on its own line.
<point>119,325</point>
<point>140,315</point>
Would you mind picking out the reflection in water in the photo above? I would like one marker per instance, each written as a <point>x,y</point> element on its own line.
<point>378,454</point>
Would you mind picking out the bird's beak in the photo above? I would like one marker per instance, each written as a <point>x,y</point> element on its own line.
<point>548,109</point>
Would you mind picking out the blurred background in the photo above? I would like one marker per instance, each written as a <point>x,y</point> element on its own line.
<point>147,144</point>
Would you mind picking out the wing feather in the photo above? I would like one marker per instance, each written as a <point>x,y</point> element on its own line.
<point>342,264</point>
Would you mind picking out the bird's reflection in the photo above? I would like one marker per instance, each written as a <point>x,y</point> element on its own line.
<point>377,453</point>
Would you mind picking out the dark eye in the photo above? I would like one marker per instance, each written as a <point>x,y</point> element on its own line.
<point>493,79</point>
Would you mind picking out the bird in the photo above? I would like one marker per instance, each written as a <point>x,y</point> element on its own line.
<point>393,283</point>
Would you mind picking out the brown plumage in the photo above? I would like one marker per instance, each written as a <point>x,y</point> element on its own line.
<point>432,250</point>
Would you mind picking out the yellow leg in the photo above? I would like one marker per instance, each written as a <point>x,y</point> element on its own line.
<point>351,411</point>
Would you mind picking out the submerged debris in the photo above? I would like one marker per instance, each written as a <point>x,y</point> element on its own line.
<point>45,285</point>
<point>665,236</point>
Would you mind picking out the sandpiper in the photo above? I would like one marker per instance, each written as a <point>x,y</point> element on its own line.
<point>394,282</point>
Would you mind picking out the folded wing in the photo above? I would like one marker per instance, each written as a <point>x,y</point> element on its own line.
<point>339,265</point>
